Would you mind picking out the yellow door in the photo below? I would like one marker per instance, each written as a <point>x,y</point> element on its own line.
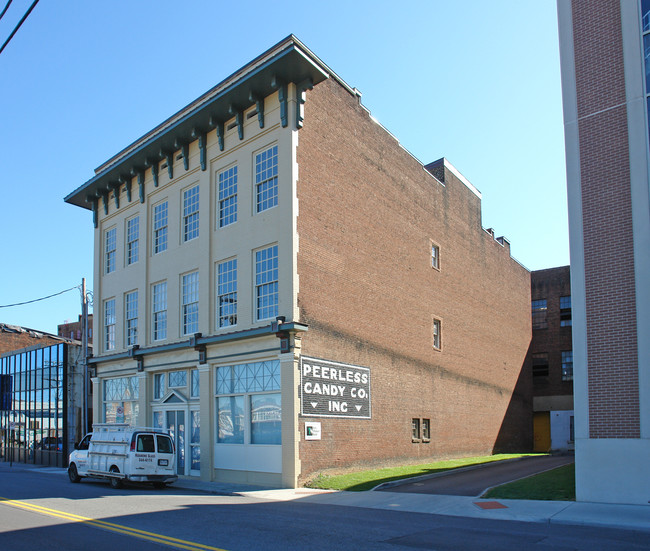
<point>542,431</point>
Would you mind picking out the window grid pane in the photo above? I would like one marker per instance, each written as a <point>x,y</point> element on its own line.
<point>228,197</point>
<point>266,283</point>
<point>160,228</point>
<point>227,293</point>
<point>132,240</point>
<point>132,318</point>
<point>539,314</point>
<point>160,311</point>
<point>191,213</point>
<point>567,366</point>
<point>177,379</point>
<point>191,303</point>
<point>109,324</point>
<point>194,393</point>
<point>110,248</point>
<point>266,178</point>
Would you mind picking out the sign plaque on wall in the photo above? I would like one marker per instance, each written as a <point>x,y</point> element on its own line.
<point>332,389</point>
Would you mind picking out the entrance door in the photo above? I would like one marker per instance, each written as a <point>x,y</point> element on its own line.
<point>542,431</point>
<point>176,427</point>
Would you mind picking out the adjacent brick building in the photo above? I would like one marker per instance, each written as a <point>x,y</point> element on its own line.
<point>73,329</point>
<point>287,290</point>
<point>14,337</point>
<point>605,57</point>
<point>551,359</point>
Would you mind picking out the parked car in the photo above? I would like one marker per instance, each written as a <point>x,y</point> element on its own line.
<point>119,452</point>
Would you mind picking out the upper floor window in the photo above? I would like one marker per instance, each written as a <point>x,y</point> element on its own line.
<point>227,293</point>
<point>190,303</point>
<point>109,324</point>
<point>435,256</point>
<point>266,283</point>
<point>565,311</point>
<point>266,178</point>
<point>177,379</point>
<point>539,314</point>
<point>132,239</point>
<point>567,365</point>
<point>437,334</point>
<point>540,365</point>
<point>131,306</point>
<point>110,248</point>
<point>228,197</point>
<point>158,385</point>
<point>191,213</point>
<point>159,311</point>
<point>160,227</point>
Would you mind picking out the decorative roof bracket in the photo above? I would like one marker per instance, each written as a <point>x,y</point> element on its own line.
<point>116,194</point>
<point>94,207</point>
<point>219,125</point>
<point>126,181</point>
<point>141,185</point>
<point>185,152</point>
<point>105,202</point>
<point>259,104</point>
<point>203,146</point>
<point>154,170</point>
<point>169,157</point>
<point>283,98</point>
<point>301,97</point>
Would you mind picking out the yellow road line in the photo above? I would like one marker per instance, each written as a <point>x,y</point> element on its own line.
<point>120,529</point>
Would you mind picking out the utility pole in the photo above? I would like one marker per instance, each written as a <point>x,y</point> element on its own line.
<point>84,347</point>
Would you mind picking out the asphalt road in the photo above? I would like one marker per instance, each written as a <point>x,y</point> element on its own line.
<point>474,482</point>
<point>39,510</point>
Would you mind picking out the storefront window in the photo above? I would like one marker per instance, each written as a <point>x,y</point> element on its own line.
<point>121,400</point>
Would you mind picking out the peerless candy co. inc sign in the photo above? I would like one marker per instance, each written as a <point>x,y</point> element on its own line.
<point>332,389</point>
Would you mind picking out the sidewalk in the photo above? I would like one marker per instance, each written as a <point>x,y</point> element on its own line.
<point>627,517</point>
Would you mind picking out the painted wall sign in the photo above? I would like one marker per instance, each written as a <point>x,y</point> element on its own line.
<point>332,389</point>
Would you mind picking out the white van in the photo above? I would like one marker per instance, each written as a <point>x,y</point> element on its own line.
<point>121,452</point>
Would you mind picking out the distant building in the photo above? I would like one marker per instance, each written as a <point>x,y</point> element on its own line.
<point>287,290</point>
<point>72,329</point>
<point>605,61</point>
<point>551,357</point>
<point>14,337</point>
<point>41,396</point>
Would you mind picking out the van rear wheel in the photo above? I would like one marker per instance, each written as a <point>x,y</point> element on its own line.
<point>159,485</point>
<point>116,483</point>
<point>73,475</point>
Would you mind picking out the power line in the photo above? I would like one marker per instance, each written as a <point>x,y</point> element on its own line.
<point>6,8</point>
<point>42,298</point>
<point>19,23</point>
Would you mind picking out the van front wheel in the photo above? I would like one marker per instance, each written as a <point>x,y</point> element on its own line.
<point>116,483</point>
<point>73,475</point>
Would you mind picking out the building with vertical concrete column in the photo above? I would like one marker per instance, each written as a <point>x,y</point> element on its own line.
<point>287,290</point>
<point>605,58</point>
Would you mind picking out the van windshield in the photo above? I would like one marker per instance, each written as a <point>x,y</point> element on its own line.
<point>164,444</point>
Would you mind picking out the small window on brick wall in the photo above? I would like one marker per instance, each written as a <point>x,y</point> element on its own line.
<point>426,430</point>
<point>435,256</point>
<point>538,308</point>
<point>415,429</point>
<point>437,334</point>
<point>565,311</point>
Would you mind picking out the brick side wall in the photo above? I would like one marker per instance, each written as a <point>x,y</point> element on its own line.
<point>10,341</point>
<point>552,284</point>
<point>607,221</point>
<point>367,215</point>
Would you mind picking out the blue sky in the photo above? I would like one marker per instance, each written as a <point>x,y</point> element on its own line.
<point>476,82</point>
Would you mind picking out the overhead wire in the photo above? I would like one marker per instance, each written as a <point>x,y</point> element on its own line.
<point>19,23</point>
<point>6,8</point>
<point>39,299</point>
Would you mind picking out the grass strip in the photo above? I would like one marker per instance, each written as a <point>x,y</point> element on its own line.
<point>557,485</point>
<point>366,480</point>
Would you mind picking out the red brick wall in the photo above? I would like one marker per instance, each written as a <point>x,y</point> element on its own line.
<point>551,284</point>
<point>607,221</point>
<point>10,341</point>
<point>367,213</point>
